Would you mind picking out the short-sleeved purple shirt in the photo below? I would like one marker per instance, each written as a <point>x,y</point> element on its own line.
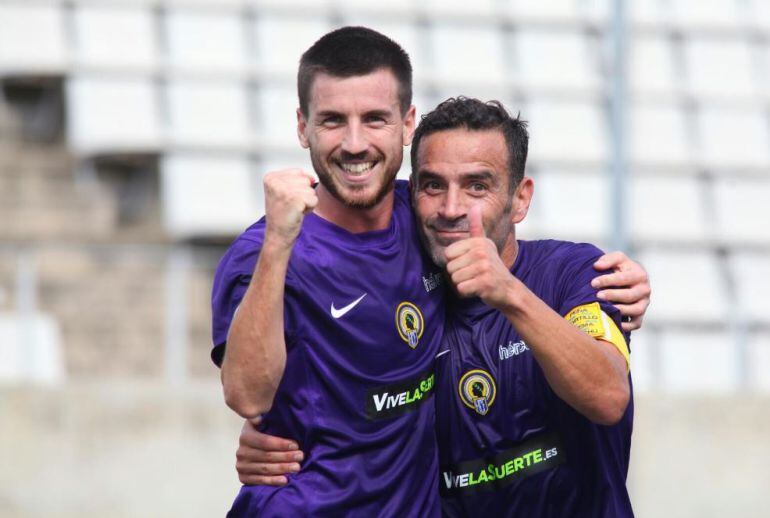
<point>364,315</point>
<point>508,445</point>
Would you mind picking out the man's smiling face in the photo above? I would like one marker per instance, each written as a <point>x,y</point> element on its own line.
<point>356,133</point>
<point>457,169</point>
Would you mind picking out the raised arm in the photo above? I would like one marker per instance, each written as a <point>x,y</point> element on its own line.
<point>587,373</point>
<point>255,354</point>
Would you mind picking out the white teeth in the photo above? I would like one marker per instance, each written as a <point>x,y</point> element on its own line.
<point>358,168</point>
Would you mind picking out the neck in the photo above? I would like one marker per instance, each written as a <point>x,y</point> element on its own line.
<point>510,250</point>
<point>352,219</point>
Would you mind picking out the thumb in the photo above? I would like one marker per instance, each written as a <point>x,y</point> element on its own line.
<point>476,227</point>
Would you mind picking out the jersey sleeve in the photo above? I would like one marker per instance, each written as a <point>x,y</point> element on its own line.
<point>231,281</point>
<point>579,303</point>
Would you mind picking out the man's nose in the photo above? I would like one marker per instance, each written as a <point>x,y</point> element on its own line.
<point>355,141</point>
<point>453,207</point>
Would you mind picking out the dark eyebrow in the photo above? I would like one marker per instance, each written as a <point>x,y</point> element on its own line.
<point>430,175</point>
<point>327,113</point>
<point>479,176</point>
<point>384,114</point>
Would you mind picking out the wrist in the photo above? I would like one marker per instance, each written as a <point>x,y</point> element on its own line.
<point>514,297</point>
<point>276,244</point>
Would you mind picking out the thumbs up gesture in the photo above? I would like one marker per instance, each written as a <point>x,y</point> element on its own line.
<point>475,267</point>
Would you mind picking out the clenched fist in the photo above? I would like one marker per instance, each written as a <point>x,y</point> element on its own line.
<point>289,195</point>
<point>475,267</point>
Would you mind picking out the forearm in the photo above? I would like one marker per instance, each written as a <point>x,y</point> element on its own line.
<point>588,374</point>
<point>255,356</point>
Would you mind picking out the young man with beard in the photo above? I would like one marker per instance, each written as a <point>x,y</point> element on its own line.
<point>330,328</point>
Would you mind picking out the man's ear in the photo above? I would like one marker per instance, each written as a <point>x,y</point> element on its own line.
<point>522,197</point>
<point>409,125</point>
<point>301,128</point>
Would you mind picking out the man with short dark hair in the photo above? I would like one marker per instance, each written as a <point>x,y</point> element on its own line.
<point>329,308</point>
<point>534,411</point>
<point>330,333</point>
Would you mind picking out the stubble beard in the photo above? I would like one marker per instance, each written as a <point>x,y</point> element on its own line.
<point>327,180</point>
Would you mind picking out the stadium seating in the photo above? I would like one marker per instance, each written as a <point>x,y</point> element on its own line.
<point>658,138</point>
<point>689,287</point>
<point>25,22</point>
<point>749,272</point>
<point>113,114</point>
<point>698,362</point>
<point>207,87</point>
<point>30,349</point>
<point>759,362</point>
<point>115,37</point>
<point>572,133</point>
<point>571,205</point>
<point>548,60</point>
<point>668,210</point>
<point>202,195</point>
<point>467,55</point>
<point>206,41</point>
<point>205,114</point>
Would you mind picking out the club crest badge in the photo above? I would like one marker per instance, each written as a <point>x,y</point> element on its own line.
<point>409,323</point>
<point>477,390</point>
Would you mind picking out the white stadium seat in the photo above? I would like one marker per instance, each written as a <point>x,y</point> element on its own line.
<point>550,10</point>
<point>649,12</point>
<point>645,356</point>
<point>115,37</point>
<point>209,195</point>
<point>733,138</point>
<point>443,8</point>
<point>30,349</point>
<point>651,67</point>
<point>113,114</point>
<point>32,38</point>
<point>276,161</point>
<point>709,14</point>
<point>759,13</point>
<point>698,362</point>
<point>742,210</point>
<point>658,136</point>
<point>667,210</point>
<point>277,115</point>
<point>207,41</point>
<point>571,205</point>
<point>208,113</point>
<point>555,59</point>
<point>404,8</point>
<point>689,287</point>
<point>468,55</point>
<point>750,273</point>
<point>720,67</point>
<point>759,361</point>
<point>571,132</point>
<point>281,40</point>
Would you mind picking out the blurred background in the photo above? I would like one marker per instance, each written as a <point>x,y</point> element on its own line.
<point>133,138</point>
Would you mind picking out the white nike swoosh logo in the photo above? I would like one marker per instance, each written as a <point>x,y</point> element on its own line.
<point>442,353</point>
<point>337,313</point>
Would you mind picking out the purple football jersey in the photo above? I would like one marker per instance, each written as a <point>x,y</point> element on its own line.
<point>508,445</point>
<point>364,315</point>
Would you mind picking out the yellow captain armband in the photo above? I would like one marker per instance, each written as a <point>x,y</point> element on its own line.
<point>592,320</point>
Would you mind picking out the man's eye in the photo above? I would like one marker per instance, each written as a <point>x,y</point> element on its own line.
<point>375,121</point>
<point>478,187</point>
<point>431,186</point>
<point>331,121</point>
